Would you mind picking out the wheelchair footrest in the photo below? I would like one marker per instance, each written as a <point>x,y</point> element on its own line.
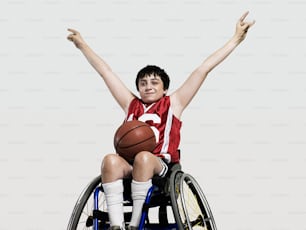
<point>97,214</point>
<point>103,216</point>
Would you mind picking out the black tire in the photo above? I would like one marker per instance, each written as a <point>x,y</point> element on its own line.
<point>83,209</point>
<point>189,205</point>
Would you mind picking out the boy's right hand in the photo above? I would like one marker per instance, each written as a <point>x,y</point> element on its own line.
<point>76,38</point>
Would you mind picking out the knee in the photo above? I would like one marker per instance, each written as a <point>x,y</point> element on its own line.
<point>110,161</point>
<point>143,158</point>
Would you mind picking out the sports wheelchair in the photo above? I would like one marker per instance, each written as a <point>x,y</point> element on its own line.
<point>177,190</point>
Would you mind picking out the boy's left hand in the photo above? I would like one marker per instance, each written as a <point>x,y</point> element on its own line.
<point>243,26</point>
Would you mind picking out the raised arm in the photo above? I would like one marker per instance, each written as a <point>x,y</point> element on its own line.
<point>183,95</point>
<point>119,91</point>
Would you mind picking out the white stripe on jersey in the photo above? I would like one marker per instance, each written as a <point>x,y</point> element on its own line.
<point>145,109</point>
<point>130,118</point>
<point>165,146</point>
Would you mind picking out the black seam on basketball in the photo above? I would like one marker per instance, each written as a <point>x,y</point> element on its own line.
<point>137,143</point>
<point>130,130</point>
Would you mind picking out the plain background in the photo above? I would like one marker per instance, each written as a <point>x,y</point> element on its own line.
<point>243,136</point>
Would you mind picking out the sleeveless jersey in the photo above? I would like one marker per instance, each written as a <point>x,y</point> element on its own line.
<point>165,125</point>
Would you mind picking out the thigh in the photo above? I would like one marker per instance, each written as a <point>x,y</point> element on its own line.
<point>146,165</point>
<point>115,167</point>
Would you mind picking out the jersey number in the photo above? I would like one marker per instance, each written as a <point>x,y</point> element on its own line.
<point>156,120</point>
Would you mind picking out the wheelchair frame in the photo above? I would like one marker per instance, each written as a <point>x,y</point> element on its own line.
<point>176,191</point>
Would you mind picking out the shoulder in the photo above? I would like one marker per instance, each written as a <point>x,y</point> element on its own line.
<point>134,102</point>
<point>165,99</point>
<point>175,106</point>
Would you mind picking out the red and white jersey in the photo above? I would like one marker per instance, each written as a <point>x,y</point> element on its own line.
<point>165,125</point>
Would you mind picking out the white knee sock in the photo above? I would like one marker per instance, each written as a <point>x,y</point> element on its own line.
<point>139,193</point>
<point>114,200</point>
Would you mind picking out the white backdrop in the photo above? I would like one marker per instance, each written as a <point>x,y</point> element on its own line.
<point>244,134</point>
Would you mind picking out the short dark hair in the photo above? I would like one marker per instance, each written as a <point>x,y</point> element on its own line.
<point>156,71</point>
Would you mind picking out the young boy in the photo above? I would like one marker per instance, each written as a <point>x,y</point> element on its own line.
<point>160,111</point>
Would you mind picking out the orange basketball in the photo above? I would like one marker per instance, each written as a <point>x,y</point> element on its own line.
<point>133,137</point>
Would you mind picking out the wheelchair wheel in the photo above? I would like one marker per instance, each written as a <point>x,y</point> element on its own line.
<point>82,215</point>
<point>189,205</point>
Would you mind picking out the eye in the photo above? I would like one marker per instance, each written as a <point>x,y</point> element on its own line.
<point>154,82</point>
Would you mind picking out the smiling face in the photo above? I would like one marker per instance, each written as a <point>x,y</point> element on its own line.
<point>151,88</point>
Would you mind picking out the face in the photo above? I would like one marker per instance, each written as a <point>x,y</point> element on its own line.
<point>151,89</point>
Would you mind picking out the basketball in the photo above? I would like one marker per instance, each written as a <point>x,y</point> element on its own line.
<point>133,137</point>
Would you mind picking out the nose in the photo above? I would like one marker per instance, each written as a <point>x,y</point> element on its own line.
<point>148,87</point>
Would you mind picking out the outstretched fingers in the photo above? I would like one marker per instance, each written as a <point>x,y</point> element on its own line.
<point>72,35</point>
<point>241,19</point>
<point>245,25</point>
<point>73,31</point>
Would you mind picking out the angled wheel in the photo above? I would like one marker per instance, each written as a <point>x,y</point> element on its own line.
<point>190,207</point>
<point>89,212</point>
<point>82,215</point>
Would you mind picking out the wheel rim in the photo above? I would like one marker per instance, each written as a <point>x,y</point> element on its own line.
<point>189,204</point>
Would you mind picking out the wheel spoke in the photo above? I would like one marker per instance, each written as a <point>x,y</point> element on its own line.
<point>190,207</point>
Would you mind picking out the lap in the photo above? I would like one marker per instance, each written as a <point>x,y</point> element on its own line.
<point>144,164</point>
